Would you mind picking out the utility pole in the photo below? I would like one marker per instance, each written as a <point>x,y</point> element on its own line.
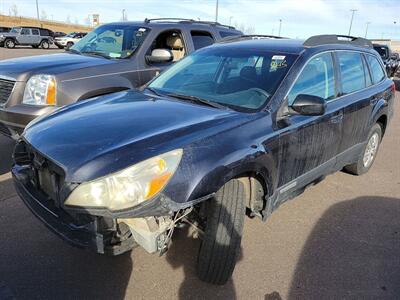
<point>366,29</point>
<point>216,11</point>
<point>230,20</point>
<point>123,15</point>
<point>280,27</point>
<point>351,21</point>
<point>37,11</point>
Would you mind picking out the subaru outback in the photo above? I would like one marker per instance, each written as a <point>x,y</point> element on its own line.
<point>111,58</point>
<point>235,128</point>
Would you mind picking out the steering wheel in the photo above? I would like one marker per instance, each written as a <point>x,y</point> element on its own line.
<point>260,92</point>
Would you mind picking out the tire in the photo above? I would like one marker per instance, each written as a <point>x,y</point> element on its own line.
<point>44,44</point>
<point>9,43</point>
<point>69,45</point>
<point>361,167</point>
<point>223,233</point>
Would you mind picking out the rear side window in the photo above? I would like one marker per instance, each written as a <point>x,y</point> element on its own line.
<point>352,71</point>
<point>201,39</point>
<point>376,69</point>
<point>44,32</point>
<point>316,79</point>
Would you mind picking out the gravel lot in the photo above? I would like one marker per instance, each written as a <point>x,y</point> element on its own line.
<point>340,239</point>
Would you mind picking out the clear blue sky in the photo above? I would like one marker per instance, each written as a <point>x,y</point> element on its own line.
<point>300,18</point>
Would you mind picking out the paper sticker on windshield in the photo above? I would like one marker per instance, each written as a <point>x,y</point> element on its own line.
<point>142,29</point>
<point>115,55</point>
<point>278,61</point>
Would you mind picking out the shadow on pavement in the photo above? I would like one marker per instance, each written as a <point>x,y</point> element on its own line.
<point>6,149</point>
<point>352,252</point>
<point>35,264</point>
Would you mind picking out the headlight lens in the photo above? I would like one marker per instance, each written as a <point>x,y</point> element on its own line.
<point>129,187</point>
<point>40,90</point>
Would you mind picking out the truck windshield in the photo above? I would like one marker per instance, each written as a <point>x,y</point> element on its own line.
<point>112,41</point>
<point>15,30</point>
<point>242,79</point>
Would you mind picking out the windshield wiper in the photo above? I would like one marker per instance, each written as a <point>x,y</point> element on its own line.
<point>197,100</point>
<point>73,51</point>
<point>96,53</point>
<point>153,90</point>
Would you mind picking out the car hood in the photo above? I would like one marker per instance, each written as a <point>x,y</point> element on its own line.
<point>22,68</point>
<point>97,137</point>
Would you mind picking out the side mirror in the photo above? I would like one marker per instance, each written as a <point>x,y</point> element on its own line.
<point>160,56</point>
<point>309,105</point>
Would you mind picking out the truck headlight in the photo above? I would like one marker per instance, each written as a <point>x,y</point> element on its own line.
<point>40,90</point>
<point>129,187</point>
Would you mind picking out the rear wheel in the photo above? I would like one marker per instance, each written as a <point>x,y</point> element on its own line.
<point>44,44</point>
<point>9,43</point>
<point>223,233</point>
<point>368,155</point>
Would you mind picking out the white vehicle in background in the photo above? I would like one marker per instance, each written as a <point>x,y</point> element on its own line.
<point>69,40</point>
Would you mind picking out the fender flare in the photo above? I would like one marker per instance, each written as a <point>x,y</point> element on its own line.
<point>101,92</point>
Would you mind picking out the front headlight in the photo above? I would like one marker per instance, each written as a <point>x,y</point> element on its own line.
<point>40,90</point>
<point>129,187</point>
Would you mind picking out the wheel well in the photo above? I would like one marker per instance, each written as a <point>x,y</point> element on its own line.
<point>256,191</point>
<point>382,121</point>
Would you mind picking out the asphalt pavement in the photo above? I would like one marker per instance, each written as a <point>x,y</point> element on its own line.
<point>340,239</point>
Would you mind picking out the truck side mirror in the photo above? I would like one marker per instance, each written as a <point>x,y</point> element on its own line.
<point>160,56</point>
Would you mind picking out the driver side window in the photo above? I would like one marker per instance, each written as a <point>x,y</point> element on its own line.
<point>316,79</point>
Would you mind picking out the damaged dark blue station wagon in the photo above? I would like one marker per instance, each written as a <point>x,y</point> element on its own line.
<point>236,128</point>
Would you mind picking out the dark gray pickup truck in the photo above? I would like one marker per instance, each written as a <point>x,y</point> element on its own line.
<point>111,58</point>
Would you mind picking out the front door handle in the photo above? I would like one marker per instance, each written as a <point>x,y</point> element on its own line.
<point>337,118</point>
<point>373,101</point>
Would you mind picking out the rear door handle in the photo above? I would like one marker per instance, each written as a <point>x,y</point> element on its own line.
<point>337,118</point>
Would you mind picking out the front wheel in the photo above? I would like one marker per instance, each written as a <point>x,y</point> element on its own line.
<point>368,155</point>
<point>223,233</point>
<point>9,43</point>
<point>69,45</point>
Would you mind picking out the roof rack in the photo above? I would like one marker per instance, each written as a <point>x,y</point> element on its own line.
<point>250,37</point>
<point>183,20</point>
<point>326,39</point>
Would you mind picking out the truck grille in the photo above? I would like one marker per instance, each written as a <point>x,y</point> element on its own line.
<point>6,87</point>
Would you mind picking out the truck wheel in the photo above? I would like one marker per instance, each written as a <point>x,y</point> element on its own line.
<point>9,43</point>
<point>44,44</point>
<point>368,155</point>
<point>69,45</point>
<point>223,233</point>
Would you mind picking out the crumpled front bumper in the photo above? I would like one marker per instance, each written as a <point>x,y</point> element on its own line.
<point>100,235</point>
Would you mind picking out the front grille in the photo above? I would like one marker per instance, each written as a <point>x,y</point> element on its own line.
<point>4,130</point>
<point>6,87</point>
<point>44,175</point>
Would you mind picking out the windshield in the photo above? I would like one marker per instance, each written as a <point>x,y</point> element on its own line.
<point>15,30</point>
<point>71,35</point>
<point>383,51</point>
<point>113,41</point>
<point>237,78</point>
